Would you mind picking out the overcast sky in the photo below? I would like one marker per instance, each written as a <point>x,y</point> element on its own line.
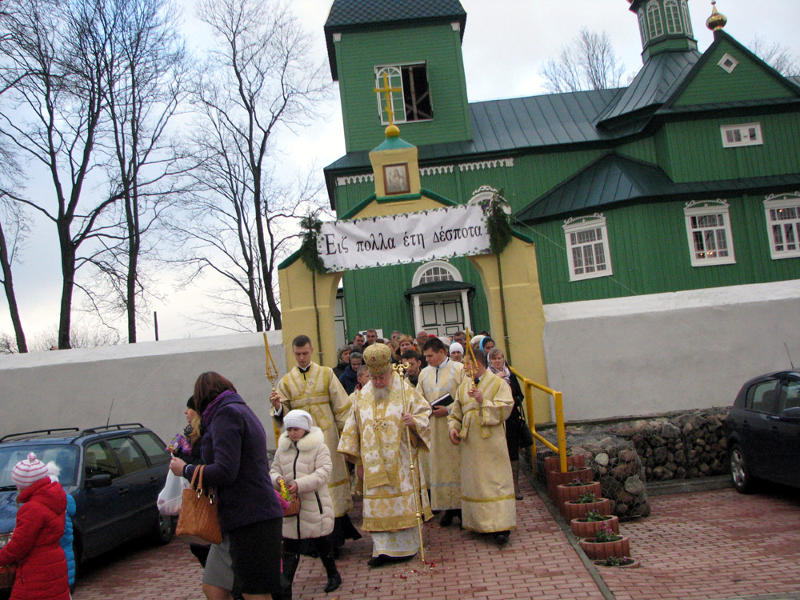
<point>505,44</point>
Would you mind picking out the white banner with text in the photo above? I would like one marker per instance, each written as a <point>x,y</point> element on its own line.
<point>405,238</point>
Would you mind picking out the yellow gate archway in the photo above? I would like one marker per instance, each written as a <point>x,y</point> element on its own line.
<point>308,298</point>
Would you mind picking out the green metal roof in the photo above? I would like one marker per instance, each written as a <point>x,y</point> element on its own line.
<point>614,179</point>
<point>652,86</point>
<point>350,15</point>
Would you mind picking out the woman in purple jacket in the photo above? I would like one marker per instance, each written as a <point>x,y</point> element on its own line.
<point>234,450</point>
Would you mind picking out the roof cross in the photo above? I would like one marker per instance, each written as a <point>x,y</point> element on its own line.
<point>387,89</point>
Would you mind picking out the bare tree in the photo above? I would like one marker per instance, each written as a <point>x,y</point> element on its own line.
<point>586,63</point>
<point>144,68</point>
<point>54,50</point>
<point>258,79</point>
<point>776,55</point>
<point>13,228</point>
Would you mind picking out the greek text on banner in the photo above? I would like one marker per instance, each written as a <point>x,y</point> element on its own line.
<point>404,238</point>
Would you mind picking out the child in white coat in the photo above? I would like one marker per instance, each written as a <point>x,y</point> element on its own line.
<point>303,462</point>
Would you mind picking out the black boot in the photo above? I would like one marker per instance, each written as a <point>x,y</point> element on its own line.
<point>334,579</point>
<point>290,561</point>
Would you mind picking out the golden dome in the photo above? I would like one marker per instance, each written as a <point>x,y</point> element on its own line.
<point>392,131</point>
<point>717,20</point>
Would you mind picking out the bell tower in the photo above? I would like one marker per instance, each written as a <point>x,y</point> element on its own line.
<point>414,48</point>
<point>664,26</point>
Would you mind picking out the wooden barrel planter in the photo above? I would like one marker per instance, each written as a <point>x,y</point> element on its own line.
<point>578,510</point>
<point>553,463</point>
<point>602,550</point>
<point>555,478</point>
<point>586,529</point>
<point>571,491</point>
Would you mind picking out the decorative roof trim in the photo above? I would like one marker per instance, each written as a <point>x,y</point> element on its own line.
<point>351,179</point>
<point>433,170</point>
<point>486,164</point>
<point>585,220</point>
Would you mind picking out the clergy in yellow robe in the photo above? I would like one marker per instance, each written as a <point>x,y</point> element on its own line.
<point>387,415</point>
<point>440,378</point>
<point>477,425</point>
<point>316,389</point>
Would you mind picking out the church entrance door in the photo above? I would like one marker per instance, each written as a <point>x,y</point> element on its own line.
<point>441,315</point>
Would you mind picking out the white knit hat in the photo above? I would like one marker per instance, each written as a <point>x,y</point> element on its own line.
<point>456,347</point>
<point>298,418</point>
<point>28,471</point>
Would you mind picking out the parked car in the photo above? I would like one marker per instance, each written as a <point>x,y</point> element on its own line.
<point>763,431</point>
<point>114,472</point>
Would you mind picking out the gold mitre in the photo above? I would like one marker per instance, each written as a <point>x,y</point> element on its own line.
<point>378,358</point>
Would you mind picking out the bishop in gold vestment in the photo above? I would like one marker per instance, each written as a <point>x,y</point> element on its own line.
<point>477,425</point>
<point>375,438</point>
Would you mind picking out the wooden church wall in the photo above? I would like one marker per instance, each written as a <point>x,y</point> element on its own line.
<point>649,254</point>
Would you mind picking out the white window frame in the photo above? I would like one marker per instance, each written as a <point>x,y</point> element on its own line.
<point>687,19</point>
<point>655,23</point>
<point>772,204</point>
<point>643,28</point>
<point>577,225</point>
<point>395,72</point>
<point>727,63</point>
<point>672,14</point>
<point>706,208</point>
<point>423,269</point>
<point>748,134</point>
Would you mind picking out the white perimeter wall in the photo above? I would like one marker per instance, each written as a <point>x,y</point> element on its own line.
<point>650,354</point>
<point>148,382</point>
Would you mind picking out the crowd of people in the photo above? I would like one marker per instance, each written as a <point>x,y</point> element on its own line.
<point>414,425</point>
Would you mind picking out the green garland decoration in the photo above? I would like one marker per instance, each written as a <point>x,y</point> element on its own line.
<point>497,223</point>
<point>309,254</point>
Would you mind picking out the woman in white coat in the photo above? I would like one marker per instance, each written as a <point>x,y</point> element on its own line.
<point>304,463</point>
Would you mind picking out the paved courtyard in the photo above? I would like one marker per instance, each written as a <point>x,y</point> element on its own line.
<point>702,545</point>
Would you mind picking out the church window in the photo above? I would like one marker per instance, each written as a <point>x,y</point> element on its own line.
<point>727,63</point>
<point>783,225</point>
<point>654,22</point>
<point>744,134</point>
<point>436,270</point>
<point>411,100</point>
<point>587,247</point>
<point>643,28</point>
<point>708,229</point>
<point>673,17</point>
<point>687,21</point>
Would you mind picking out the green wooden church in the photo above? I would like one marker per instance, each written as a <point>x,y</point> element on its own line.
<point>665,214</point>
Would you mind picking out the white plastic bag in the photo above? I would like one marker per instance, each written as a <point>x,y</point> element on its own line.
<point>169,498</point>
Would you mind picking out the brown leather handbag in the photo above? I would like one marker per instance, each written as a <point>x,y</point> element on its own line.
<point>199,522</point>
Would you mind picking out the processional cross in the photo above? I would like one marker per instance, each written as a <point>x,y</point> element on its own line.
<point>387,89</point>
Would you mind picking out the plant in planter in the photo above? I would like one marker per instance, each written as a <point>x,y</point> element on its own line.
<point>570,492</point>
<point>618,561</point>
<point>606,535</point>
<point>574,462</point>
<point>591,522</point>
<point>606,543</point>
<point>578,508</point>
<point>555,478</point>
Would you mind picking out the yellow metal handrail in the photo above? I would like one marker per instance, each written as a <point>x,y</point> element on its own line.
<point>561,432</point>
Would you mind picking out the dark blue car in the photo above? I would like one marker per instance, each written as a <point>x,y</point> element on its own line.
<point>114,473</point>
<point>763,431</point>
